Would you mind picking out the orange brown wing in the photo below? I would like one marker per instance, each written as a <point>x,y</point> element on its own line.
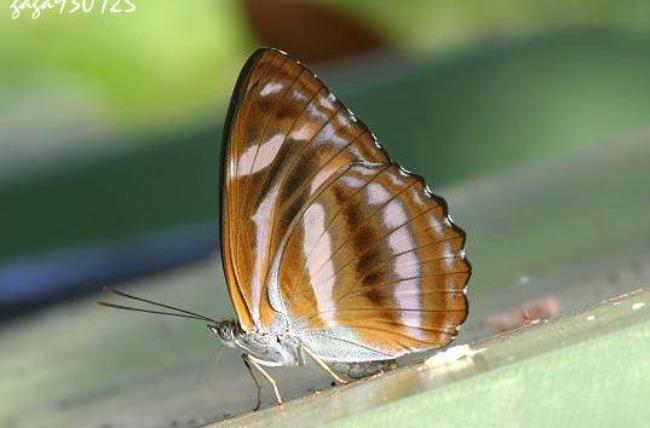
<point>373,268</point>
<point>285,136</point>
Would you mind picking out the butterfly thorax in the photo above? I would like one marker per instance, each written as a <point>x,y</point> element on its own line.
<point>270,348</point>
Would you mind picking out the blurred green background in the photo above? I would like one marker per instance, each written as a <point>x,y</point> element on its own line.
<point>111,123</point>
<point>532,117</point>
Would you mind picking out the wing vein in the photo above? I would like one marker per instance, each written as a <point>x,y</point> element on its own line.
<point>395,255</point>
<point>392,308</point>
<point>393,332</point>
<point>368,217</point>
<point>237,153</point>
<point>391,283</point>
<point>261,138</point>
<point>329,224</point>
<point>323,333</point>
<point>340,268</point>
<point>294,160</point>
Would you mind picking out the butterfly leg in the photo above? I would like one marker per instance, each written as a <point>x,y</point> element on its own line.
<point>302,361</point>
<point>258,365</point>
<point>259,387</point>
<point>322,364</point>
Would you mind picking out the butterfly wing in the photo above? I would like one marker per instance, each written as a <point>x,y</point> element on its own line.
<point>285,136</point>
<point>373,268</point>
<point>321,228</point>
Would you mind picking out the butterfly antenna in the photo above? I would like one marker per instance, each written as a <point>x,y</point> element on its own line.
<point>130,308</point>
<point>179,312</point>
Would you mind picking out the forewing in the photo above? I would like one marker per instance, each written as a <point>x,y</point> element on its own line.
<point>285,136</point>
<point>373,267</point>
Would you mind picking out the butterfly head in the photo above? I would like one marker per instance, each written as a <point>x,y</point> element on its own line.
<point>227,331</point>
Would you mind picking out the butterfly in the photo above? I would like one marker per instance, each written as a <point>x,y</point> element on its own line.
<point>331,250</point>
